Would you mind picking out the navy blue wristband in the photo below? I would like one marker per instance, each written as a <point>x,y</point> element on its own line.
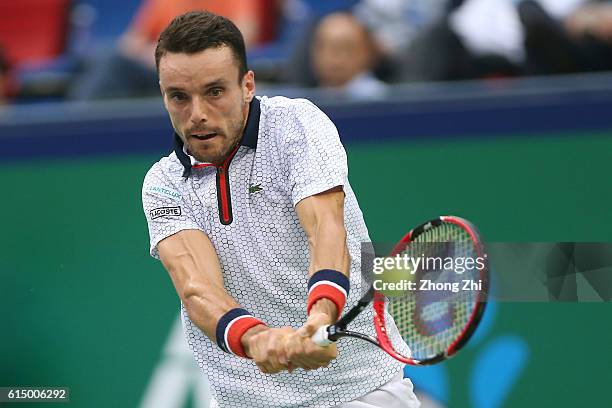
<point>230,328</point>
<point>328,284</point>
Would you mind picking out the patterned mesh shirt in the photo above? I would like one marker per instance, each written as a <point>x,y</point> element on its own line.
<point>290,150</point>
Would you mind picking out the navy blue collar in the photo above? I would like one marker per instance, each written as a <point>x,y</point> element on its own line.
<point>251,130</point>
<point>249,137</point>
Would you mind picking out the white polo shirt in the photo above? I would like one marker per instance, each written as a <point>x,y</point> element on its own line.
<point>290,150</point>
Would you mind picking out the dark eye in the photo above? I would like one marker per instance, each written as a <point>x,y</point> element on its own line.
<point>178,96</point>
<point>216,92</point>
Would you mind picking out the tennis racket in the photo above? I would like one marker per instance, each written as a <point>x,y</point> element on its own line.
<point>433,319</point>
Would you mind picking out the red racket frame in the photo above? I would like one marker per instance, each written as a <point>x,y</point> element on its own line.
<point>475,316</point>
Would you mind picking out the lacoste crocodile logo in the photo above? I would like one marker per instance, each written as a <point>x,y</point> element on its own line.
<point>255,188</point>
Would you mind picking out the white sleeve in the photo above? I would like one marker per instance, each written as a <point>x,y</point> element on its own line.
<point>166,210</point>
<point>313,155</point>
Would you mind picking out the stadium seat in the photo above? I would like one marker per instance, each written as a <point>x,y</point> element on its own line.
<point>33,30</point>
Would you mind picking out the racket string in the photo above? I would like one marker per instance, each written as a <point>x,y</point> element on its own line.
<point>430,318</point>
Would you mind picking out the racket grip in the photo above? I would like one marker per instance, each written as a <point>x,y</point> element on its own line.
<point>320,338</point>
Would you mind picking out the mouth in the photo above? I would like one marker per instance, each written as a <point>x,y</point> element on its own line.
<point>203,136</point>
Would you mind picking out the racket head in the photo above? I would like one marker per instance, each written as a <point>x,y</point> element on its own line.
<point>435,324</point>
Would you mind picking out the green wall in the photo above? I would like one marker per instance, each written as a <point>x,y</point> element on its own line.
<point>84,306</point>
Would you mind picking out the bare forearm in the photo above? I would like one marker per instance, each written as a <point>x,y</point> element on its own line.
<point>192,263</point>
<point>206,307</point>
<point>322,217</point>
<point>204,301</point>
<point>328,248</point>
<point>329,251</point>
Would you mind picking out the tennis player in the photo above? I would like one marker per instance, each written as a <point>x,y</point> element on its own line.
<point>254,219</point>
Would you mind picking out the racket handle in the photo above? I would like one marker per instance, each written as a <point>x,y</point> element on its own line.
<point>321,337</point>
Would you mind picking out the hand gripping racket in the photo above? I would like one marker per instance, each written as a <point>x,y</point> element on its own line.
<point>432,318</point>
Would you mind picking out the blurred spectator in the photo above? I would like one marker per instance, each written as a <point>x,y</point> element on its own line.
<point>33,34</point>
<point>396,23</point>
<point>581,41</point>
<point>592,18</point>
<point>342,57</point>
<point>393,26</point>
<point>488,27</point>
<point>129,71</point>
<point>481,39</point>
<point>478,39</point>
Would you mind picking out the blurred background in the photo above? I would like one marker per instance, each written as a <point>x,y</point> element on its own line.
<point>495,110</point>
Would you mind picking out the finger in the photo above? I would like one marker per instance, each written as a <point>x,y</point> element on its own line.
<point>303,364</point>
<point>312,324</point>
<point>305,361</point>
<point>263,368</point>
<point>307,330</point>
<point>308,358</point>
<point>276,370</point>
<point>282,351</point>
<point>320,355</point>
<point>270,368</point>
<point>316,363</point>
<point>293,348</point>
<point>299,362</point>
<point>272,362</point>
<point>311,366</point>
<point>261,358</point>
<point>277,360</point>
<point>276,367</point>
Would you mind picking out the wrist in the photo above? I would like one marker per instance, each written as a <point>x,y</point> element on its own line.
<point>248,335</point>
<point>325,307</point>
<point>329,285</point>
<point>232,327</point>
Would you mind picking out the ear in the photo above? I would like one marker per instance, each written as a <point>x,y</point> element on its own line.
<point>248,83</point>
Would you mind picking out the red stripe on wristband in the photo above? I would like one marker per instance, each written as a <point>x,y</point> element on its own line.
<point>326,290</point>
<point>234,332</point>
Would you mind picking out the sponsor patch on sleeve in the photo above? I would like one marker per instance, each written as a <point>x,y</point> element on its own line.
<point>165,212</point>
<point>163,192</point>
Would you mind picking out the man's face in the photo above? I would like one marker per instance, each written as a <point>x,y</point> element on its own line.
<point>340,50</point>
<point>208,104</point>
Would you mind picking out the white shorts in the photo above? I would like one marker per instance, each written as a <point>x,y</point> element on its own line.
<point>397,393</point>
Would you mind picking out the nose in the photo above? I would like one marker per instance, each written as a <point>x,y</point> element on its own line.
<point>198,111</point>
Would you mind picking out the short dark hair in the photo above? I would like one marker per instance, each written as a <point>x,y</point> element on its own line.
<point>197,31</point>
